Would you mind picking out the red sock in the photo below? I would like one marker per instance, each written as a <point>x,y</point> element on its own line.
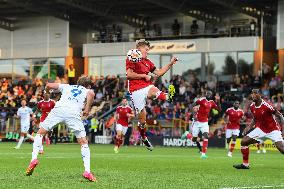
<point>245,152</point>
<point>118,141</point>
<point>232,147</point>
<point>161,95</point>
<point>142,130</point>
<point>204,146</point>
<point>47,141</point>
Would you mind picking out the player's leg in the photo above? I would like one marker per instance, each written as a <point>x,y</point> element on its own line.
<point>86,155</point>
<point>263,147</point>
<point>276,137</point>
<point>22,137</point>
<point>24,132</point>
<point>199,145</point>
<point>280,146</point>
<point>253,137</point>
<point>204,128</point>
<point>228,137</point>
<point>232,146</point>
<point>51,120</point>
<point>118,138</point>
<point>36,148</point>
<point>76,124</point>
<point>205,144</point>
<point>155,93</point>
<point>142,129</point>
<point>195,133</point>
<point>258,147</point>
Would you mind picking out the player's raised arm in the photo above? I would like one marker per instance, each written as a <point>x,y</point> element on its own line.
<point>163,70</point>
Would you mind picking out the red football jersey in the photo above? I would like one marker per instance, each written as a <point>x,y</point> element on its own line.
<point>235,117</point>
<point>143,67</point>
<point>45,107</point>
<point>204,109</point>
<point>122,112</point>
<point>263,117</point>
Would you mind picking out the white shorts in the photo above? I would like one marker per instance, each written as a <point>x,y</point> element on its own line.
<point>25,128</point>
<point>260,136</point>
<point>71,119</point>
<point>231,132</point>
<point>199,126</point>
<point>139,98</point>
<point>121,128</point>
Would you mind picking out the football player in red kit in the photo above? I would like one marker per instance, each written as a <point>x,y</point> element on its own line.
<point>45,106</point>
<point>265,127</point>
<point>141,86</point>
<point>123,114</point>
<point>233,117</point>
<point>206,104</point>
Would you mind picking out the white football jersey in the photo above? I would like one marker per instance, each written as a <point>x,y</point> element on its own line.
<point>25,115</point>
<point>72,98</point>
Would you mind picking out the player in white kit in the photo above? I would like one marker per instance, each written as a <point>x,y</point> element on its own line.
<point>68,110</point>
<point>24,113</point>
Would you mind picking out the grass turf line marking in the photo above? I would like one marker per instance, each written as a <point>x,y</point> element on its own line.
<point>248,187</point>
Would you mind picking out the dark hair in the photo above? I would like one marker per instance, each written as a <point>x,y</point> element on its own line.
<point>84,81</point>
<point>142,42</point>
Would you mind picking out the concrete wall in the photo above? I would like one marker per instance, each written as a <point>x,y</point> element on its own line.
<point>202,45</point>
<point>36,37</point>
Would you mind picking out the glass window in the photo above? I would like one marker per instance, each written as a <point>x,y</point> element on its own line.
<point>21,68</point>
<point>57,67</point>
<point>95,66</point>
<point>113,65</point>
<point>6,68</point>
<point>155,59</point>
<point>40,68</point>
<point>245,63</point>
<point>165,59</point>
<point>222,65</point>
<point>188,64</point>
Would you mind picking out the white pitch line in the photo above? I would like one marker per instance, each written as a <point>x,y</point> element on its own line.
<point>248,187</point>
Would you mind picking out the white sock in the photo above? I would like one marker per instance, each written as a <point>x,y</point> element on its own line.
<point>85,151</point>
<point>36,146</point>
<point>41,148</point>
<point>30,136</point>
<point>20,142</point>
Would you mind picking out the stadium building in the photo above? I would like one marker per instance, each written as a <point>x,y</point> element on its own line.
<point>225,38</point>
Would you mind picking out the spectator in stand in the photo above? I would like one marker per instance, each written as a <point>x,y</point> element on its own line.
<point>194,27</point>
<point>252,27</point>
<point>176,28</point>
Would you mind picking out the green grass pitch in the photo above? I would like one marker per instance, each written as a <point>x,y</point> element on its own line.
<point>135,167</point>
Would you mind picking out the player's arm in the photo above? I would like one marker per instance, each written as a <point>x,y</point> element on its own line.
<point>217,98</point>
<point>116,116</point>
<point>89,103</point>
<point>281,118</point>
<point>49,86</point>
<point>226,118</point>
<point>132,75</point>
<point>130,115</point>
<point>249,127</point>
<point>163,70</point>
<point>17,115</point>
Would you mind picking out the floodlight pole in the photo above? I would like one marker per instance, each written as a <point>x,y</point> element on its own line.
<point>261,45</point>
